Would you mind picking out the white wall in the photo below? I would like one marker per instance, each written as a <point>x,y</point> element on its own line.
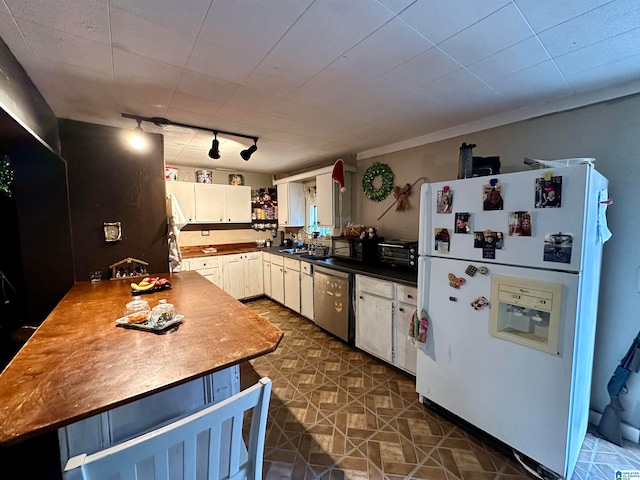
<point>609,132</point>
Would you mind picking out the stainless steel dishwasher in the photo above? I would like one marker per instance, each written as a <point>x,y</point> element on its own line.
<point>332,302</point>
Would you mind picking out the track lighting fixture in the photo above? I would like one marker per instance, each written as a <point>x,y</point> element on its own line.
<point>246,154</point>
<point>137,140</point>
<point>214,152</point>
<point>215,147</point>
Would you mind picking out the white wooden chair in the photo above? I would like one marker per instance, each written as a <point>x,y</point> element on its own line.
<point>207,444</point>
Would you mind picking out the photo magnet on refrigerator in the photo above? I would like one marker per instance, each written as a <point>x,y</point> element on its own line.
<point>557,247</point>
<point>441,240</point>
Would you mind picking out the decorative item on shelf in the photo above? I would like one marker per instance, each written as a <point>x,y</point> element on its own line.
<point>401,194</point>
<point>112,231</point>
<point>171,173</point>
<point>377,170</point>
<point>236,179</point>
<point>204,176</point>
<point>128,267</point>
<point>354,231</point>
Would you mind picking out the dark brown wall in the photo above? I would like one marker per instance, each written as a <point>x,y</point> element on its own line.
<point>19,94</point>
<point>36,245</point>
<point>109,182</point>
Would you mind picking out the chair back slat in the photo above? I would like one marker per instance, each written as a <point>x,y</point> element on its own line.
<point>205,444</point>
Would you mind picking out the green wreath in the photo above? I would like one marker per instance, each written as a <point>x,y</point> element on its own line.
<point>377,170</point>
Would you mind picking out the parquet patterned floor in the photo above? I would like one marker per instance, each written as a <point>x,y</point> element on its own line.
<point>338,413</point>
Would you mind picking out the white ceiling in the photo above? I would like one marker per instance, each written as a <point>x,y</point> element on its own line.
<point>317,80</point>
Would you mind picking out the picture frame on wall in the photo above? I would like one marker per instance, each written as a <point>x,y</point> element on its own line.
<point>236,179</point>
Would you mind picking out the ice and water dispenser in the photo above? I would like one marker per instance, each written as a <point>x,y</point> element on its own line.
<point>526,311</point>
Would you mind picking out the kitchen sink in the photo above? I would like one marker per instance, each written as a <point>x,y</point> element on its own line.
<point>294,251</point>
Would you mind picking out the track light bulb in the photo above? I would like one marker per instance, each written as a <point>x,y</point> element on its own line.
<point>137,139</point>
<point>246,154</point>
<point>215,148</point>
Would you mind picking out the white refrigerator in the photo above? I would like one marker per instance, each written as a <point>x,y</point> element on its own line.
<point>508,276</point>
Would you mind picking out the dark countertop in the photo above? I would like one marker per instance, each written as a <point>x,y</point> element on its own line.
<point>393,274</point>
<point>78,363</point>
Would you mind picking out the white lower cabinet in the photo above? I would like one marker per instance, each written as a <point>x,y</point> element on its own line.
<point>266,273</point>
<point>306,290</point>
<point>383,317</point>
<point>243,274</point>
<point>277,278</point>
<point>209,267</point>
<point>374,316</point>
<point>292,284</point>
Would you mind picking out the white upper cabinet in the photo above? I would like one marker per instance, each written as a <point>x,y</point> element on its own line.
<point>291,204</point>
<point>328,200</point>
<point>237,200</point>
<point>185,195</point>
<point>212,202</point>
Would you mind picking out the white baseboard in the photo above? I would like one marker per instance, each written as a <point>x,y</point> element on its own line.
<point>628,432</point>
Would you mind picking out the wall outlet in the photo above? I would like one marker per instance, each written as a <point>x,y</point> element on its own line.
<point>204,233</point>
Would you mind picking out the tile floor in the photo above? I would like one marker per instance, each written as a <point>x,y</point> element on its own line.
<point>339,413</point>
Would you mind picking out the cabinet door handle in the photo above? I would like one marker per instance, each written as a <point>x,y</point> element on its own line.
<point>401,309</point>
<point>361,298</point>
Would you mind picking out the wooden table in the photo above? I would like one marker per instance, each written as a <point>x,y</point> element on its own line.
<point>78,364</point>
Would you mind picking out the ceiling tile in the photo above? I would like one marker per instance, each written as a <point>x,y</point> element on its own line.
<point>299,56</point>
<point>84,18</point>
<point>396,6</point>
<point>137,35</point>
<point>602,53</point>
<point>138,70</point>
<point>438,21</point>
<point>461,89</point>
<point>423,69</point>
<point>171,14</point>
<point>386,48</point>
<point>538,83</point>
<point>544,14</point>
<point>236,36</point>
<point>498,31</point>
<point>225,61</point>
<point>606,75</point>
<point>524,54</point>
<point>249,98</point>
<point>194,104</point>
<point>611,19</point>
<point>49,44</point>
<point>204,86</point>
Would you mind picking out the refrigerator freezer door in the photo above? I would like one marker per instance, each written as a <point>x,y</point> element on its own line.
<point>518,394</point>
<point>520,194</point>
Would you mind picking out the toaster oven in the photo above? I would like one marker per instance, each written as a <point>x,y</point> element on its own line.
<point>399,253</point>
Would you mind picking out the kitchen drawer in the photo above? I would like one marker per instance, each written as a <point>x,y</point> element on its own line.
<point>277,260</point>
<point>292,264</point>
<point>305,267</point>
<point>204,262</point>
<point>407,294</point>
<point>374,286</point>
<point>266,257</point>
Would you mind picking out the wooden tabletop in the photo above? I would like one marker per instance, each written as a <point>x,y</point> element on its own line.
<point>78,363</point>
